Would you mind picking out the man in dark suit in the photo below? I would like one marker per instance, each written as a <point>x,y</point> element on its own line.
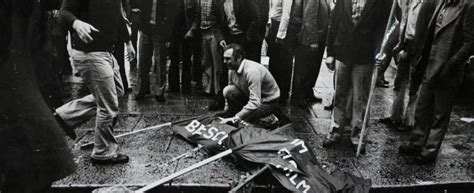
<point>450,42</point>
<point>352,46</point>
<point>185,43</point>
<point>308,47</point>
<point>241,24</point>
<point>157,19</point>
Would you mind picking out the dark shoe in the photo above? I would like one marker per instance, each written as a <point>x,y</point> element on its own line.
<point>390,122</point>
<point>329,107</point>
<point>403,128</point>
<point>120,159</point>
<point>68,130</point>
<point>141,95</point>
<point>160,98</point>
<point>329,142</point>
<point>381,85</point>
<point>385,82</point>
<point>217,104</point>
<point>313,99</point>
<point>423,160</point>
<point>409,150</point>
<point>355,144</point>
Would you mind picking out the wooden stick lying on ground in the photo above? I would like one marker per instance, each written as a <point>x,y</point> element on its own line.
<point>91,144</point>
<point>186,170</point>
<point>248,179</point>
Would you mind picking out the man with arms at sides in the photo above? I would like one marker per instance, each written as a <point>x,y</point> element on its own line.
<point>449,44</point>
<point>352,46</point>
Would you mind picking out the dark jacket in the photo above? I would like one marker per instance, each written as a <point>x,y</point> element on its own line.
<point>246,15</point>
<point>187,19</point>
<point>106,16</point>
<point>315,22</point>
<point>166,14</point>
<point>446,51</point>
<point>356,43</point>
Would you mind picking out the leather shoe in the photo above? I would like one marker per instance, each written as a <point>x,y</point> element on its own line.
<point>329,107</point>
<point>160,98</point>
<point>331,141</point>
<point>68,130</point>
<point>423,160</point>
<point>409,150</point>
<point>313,99</point>
<point>116,160</point>
<point>141,95</point>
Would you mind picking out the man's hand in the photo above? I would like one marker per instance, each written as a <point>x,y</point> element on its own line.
<point>330,63</point>
<point>130,51</point>
<point>222,43</point>
<point>189,35</point>
<point>232,120</point>
<point>314,46</point>
<point>380,59</point>
<point>84,30</point>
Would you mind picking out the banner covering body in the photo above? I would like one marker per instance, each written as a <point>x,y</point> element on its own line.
<point>292,163</point>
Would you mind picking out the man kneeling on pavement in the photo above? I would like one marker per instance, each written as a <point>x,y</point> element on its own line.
<point>252,92</point>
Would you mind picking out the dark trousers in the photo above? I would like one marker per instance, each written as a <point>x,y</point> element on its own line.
<point>307,65</point>
<point>236,100</point>
<point>62,58</point>
<point>119,55</point>
<point>184,50</point>
<point>432,116</point>
<point>280,63</point>
<point>134,39</point>
<point>253,49</point>
<point>152,53</point>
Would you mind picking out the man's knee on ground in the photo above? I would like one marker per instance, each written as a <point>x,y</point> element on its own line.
<point>230,92</point>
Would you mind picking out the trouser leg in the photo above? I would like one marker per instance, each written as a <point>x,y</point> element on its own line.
<point>400,91</point>
<point>220,70</point>
<point>341,99</point>
<point>443,104</point>
<point>197,65</point>
<point>424,115</point>
<point>119,55</point>
<point>235,98</point>
<point>186,53</point>
<point>160,52</point>
<point>145,48</point>
<point>361,79</point>
<point>175,57</point>
<point>306,72</point>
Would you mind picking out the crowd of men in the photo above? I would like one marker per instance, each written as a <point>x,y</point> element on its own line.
<point>218,43</point>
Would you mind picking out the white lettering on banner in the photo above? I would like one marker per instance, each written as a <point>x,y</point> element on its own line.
<point>211,133</point>
<point>298,142</point>
<point>295,178</point>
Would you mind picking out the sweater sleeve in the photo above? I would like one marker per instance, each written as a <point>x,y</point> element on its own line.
<point>254,79</point>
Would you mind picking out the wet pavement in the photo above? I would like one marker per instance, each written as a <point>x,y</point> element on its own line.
<point>152,153</point>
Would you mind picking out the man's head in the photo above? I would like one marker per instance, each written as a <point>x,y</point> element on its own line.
<point>233,56</point>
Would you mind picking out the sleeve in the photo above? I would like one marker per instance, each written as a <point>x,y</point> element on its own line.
<point>254,79</point>
<point>333,27</point>
<point>123,33</point>
<point>467,48</point>
<point>68,12</point>
<point>285,19</point>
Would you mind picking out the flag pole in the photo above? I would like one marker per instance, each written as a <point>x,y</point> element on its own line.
<point>374,78</point>
<point>160,126</point>
<point>184,171</point>
<point>250,178</point>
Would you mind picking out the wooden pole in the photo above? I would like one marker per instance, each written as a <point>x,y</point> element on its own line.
<point>374,79</point>
<point>184,171</point>
<point>250,178</point>
<point>91,144</point>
